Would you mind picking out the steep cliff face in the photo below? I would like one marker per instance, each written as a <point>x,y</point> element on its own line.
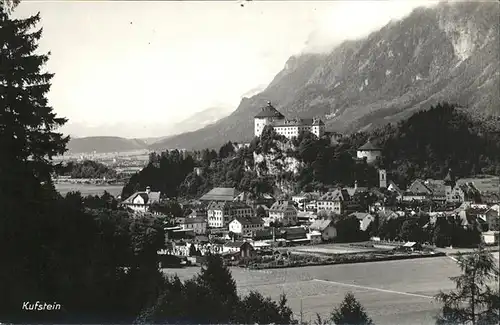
<point>445,53</point>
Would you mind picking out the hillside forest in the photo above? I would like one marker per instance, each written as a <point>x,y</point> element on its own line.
<point>426,145</point>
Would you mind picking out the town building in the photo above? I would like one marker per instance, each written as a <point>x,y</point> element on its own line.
<point>325,227</point>
<point>429,189</point>
<point>294,234</point>
<point>197,224</point>
<point>221,213</point>
<point>270,116</point>
<point>282,211</point>
<point>392,187</point>
<point>198,213</point>
<point>365,219</point>
<point>303,199</point>
<point>140,202</point>
<point>491,237</point>
<point>333,201</point>
<point>306,217</point>
<point>241,249</point>
<point>246,226</point>
<point>370,152</point>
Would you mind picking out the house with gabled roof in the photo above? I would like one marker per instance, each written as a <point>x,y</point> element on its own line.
<point>140,202</point>
<point>246,226</point>
<point>238,249</point>
<point>325,227</point>
<point>417,191</point>
<point>394,188</point>
<point>282,211</point>
<point>464,192</point>
<point>365,219</point>
<point>333,201</point>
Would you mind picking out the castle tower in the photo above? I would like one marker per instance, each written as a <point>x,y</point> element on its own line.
<point>369,151</point>
<point>267,115</point>
<point>382,176</point>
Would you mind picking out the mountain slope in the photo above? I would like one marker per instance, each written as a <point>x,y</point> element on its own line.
<point>445,53</point>
<point>201,119</point>
<point>104,145</point>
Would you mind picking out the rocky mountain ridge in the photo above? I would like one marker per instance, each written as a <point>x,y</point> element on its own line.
<point>445,53</point>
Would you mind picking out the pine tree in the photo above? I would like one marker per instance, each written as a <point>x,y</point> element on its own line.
<point>350,312</point>
<point>28,141</point>
<point>27,123</point>
<point>474,301</point>
<point>217,279</point>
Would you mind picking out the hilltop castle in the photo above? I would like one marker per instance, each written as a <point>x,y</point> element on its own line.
<point>288,128</point>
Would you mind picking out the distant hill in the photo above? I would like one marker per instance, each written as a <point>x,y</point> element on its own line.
<point>104,145</point>
<point>445,53</point>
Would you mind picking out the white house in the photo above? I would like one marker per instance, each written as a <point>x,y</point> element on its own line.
<point>246,226</point>
<point>282,211</point>
<point>141,202</point>
<point>221,213</point>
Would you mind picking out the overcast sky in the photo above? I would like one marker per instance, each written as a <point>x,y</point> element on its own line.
<point>127,67</point>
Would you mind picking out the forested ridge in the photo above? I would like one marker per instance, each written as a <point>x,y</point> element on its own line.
<point>426,145</point>
<point>85,169</point>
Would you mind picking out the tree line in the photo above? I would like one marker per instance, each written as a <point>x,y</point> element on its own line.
<point>410,151</point>
<point>85,169</point>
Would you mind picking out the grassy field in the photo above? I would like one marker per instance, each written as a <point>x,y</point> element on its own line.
<point>333,249</point>
<point>89,189</point>
<point>394,292</point>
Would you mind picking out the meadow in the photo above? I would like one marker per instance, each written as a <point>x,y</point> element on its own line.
<point>393,292</point>
<point>89,189</point>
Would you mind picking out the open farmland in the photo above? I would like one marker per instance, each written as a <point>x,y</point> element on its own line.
<point>335,249</point>
<point>89,189</point>
<point>393,292</point>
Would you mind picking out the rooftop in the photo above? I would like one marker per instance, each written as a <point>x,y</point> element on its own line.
<point>269,111</point>
<point>299,122</point>
<point>282,205</point>
<point>220,194</point>
<point>369,146</point>
<point>194,220</point>
<point>337,195</point>
<point>220,205</point>
<point>320,224</point>
<point>249,221</point>
<point>148,197</point>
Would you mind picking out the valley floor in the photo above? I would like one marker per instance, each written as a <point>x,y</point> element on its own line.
<point>394,292</point>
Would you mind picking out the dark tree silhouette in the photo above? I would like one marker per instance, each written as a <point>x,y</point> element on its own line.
<point>476,299</point>
<point>350,312</point>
